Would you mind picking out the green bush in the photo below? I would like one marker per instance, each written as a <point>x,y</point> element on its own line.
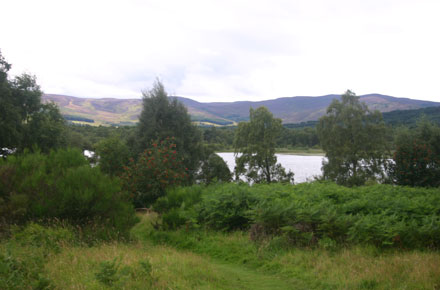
<point>215,169</point>
<point>111,274</point>
<point>177,206</point>
<point>416,161</point>
<point>313,214</point>
<point>382,215</point>
<point>218,206</point>
<point>113,155</point>
<point>23,256</point>
<point>107,272</point>
<point>156,170</point>
<point>225,207</point>
<point>18,273</point>
<point>48,238</point>
<point>415,165</point>
<point>62,185</point>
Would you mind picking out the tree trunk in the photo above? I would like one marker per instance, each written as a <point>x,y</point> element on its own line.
<point>268,179</point>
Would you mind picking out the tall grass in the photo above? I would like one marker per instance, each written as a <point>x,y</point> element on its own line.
<point>42,257</point>
<point>321,267</point>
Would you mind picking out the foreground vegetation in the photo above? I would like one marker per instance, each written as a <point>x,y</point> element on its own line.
<point>236,236</point>
<point>63,186</point>
<point>314,214</point>
<point>38,257</point>
<point>321,267</point>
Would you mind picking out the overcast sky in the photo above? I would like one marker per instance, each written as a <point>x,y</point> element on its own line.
<point>226,50</point>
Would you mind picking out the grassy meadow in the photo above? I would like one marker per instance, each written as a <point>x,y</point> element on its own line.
<point>192,256</point>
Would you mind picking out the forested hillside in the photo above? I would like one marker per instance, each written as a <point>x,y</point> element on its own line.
<point>394,118</point>
<point>410,117</point>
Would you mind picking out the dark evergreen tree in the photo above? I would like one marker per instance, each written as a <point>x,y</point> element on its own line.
<point>416,161</point>
<point>163,117</point>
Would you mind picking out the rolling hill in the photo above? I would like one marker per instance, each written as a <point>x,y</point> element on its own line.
<point>291,110</point>
<point>408,118</point>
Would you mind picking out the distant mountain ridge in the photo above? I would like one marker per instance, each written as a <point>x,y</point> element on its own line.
<point>289,109</point>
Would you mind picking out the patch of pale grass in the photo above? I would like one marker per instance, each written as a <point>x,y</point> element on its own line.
<point>360,267</point>
<point>75,268</point>
<point>347,268</point>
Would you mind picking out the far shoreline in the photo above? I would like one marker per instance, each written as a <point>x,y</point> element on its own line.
<point>299,152</point>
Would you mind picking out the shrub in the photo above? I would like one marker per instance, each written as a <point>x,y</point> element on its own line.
<point>111,274</point>
<point>113,155</point>
<point>107,272</point>
<point>23,257</point>
<point>415,165</point>
<point>382,215</point>
<point>219,206</point>
<point>177,206</point>
<point>416,161</point>
<point>62,185</point>
<point>215,169</point>
<point>47,238</point>
<point>315,214</point>
<point>18,273</point>
<point>226,207</point>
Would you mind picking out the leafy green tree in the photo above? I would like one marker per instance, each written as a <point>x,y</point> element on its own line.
<point>298,137</point>
<point>9,113</point>
<point>162,117</point>
<point>24,120</point>
<point>113,155</point>
<point>77,139</point>
<point>416,161</point>
<point>221,138</point>
<point>255,148</point>
<point>354,140</point>
<point>27,95</point>
<point>213,169</point>
<point>158,168</point>
<point>46,129</point>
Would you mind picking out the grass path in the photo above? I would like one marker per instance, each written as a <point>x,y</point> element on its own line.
<point>76,268</point>
<point>244,278</point>
<point>230,258</point>
<point>212,260</point>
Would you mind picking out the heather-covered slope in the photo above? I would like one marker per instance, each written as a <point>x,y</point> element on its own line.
<point>290,110</point>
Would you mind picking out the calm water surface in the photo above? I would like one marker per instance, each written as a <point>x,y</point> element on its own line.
<point>304,167</point>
